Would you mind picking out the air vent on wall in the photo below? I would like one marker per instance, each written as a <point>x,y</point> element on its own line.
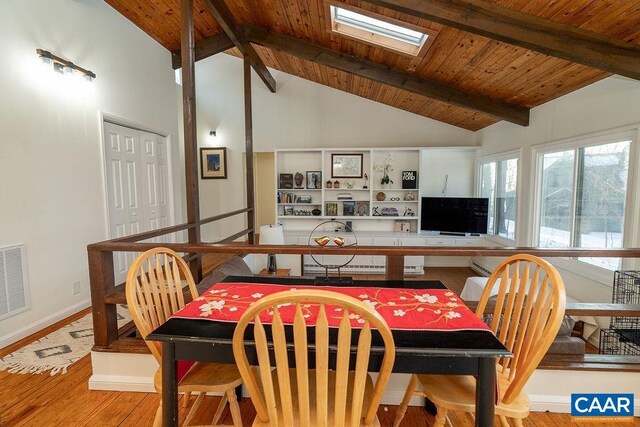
<point>14,295</point>
<point>479,269</point>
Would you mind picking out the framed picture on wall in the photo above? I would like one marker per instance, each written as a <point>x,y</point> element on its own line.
<point>213,163</point>
<point>346,165</point>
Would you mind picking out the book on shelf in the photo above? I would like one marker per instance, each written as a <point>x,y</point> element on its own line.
<point>348,208</point>
<point>391,211</point>
<point>344,196</point>
<point>285,197</point>
<point>285,181</point>
<point>331,209</point>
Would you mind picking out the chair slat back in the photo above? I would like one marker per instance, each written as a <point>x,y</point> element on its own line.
<point>264,396</point>
<point>527,314</point>
<point>154,290</point>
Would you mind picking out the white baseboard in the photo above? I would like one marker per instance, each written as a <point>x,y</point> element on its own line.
<point>134,372</point>
<point>446,261</point>
<point>39,325</point>
<point>121,383</point>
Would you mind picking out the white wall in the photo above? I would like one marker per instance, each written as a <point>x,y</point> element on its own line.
<point>451,166</point>
<point>51,169</point>
<point>300,114</point>
<point>609,104</point>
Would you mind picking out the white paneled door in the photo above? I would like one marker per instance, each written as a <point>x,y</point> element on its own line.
<point>137,186</point>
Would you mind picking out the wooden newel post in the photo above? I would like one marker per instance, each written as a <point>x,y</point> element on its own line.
<point>102,282</point>
<point>187,50</point>
<point>248,130</point>
<point>395,267</point>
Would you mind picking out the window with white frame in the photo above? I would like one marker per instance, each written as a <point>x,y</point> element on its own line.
<point>583,190</point>
<point>379,30</point>
<point>498,182</point>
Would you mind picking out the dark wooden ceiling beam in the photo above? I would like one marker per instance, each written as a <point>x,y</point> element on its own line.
<point>222,13</point>
<point>528,31</point>
<point>205,48</point>
<point>380,73</point>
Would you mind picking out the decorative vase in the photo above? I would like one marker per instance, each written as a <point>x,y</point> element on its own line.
<point>316,212</point>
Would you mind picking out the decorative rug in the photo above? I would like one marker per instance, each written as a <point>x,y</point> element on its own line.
<point>58,350</point>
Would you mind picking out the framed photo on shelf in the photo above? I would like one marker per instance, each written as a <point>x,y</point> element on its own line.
<point>288,210</point>
<point>348,208</point>
<point>286,181</point>
<point>331,209</point>
<point>346,165</point>
<point>402,225</point>
<point>213,163</point>
<point>314,179</point>
<point>362,208</point>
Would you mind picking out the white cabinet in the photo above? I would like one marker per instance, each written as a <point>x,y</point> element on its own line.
<point>413,264</point>
<point>440,241</point>
<point>469,241</point>
<point>456,241</point>
<point>383,241</point>
<point>363,264</point>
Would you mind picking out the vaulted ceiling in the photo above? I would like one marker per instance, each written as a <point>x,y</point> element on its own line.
<point>490,73</point>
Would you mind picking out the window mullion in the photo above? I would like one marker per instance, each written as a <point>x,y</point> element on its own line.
<point>576,238</point>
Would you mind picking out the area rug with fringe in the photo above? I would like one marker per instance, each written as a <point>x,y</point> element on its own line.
<point>58,350</point>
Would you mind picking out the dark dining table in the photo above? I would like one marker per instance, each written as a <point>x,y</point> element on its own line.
<point>460,352</point>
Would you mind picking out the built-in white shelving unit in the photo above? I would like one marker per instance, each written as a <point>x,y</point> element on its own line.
<point>356,199</point>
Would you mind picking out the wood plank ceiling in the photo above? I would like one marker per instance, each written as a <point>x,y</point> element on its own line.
<point>465,61</point>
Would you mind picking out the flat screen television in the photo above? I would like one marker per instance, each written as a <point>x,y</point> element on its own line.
<point>455,214</point>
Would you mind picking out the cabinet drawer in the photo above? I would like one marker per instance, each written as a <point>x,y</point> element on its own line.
<point>439,241</point>
<point>412,241</point>
<point>468,242</point>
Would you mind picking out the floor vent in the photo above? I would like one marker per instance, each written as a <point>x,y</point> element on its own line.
<point>14,295</point>
<point>479,269</point>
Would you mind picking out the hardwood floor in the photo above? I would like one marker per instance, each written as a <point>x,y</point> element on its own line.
<point>27,400</point>
<point>453,277</point>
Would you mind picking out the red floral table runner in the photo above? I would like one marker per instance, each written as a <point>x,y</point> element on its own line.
<point>407,309</point>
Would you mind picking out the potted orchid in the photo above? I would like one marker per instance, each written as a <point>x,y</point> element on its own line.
<point>385,167</point>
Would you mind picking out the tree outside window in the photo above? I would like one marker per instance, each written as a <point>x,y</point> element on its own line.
<point>583,199</point>
<point>498,182</point>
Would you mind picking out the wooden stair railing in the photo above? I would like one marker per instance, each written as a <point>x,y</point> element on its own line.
<point>595,309</point>
<point>105,294</point>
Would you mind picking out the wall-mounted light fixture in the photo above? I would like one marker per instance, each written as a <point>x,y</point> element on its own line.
<point>212,133</point>
<point>63,66</point>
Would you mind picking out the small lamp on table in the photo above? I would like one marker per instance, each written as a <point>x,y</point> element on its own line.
<point>271,235</point>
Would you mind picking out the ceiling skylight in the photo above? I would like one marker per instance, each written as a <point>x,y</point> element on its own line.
<point>376,31</point>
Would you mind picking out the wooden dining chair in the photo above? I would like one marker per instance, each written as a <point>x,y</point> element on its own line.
<point>320,396</point>
<point>526,317</point>
<point>154,292</point>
